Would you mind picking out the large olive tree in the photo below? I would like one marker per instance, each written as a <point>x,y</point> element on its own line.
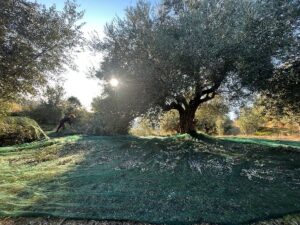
<point>183,53</point>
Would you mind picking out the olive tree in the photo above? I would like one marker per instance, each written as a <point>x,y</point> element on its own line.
<point>182,53</point>
<point>35,43</point>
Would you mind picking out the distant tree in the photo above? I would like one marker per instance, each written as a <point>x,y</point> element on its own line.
<point>51,107</point>
<point>143,126</point>
<point>53,95</point>
<point>108,119</point>
<point>279,112</point>
<point>74,102</point>
<point>185,52</point>
<point>250,119</point>
<point>211,116</point>
<point>169,122</point>
<point>35,42</point>
<point>224,125</point>
<point>72,105</point>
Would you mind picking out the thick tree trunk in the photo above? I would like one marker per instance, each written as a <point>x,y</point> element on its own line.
<point>187,124</point>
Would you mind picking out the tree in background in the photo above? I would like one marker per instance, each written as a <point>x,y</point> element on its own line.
<point>35,43</point>
<point>250,120</point>
<point>212,117</point>
<point>110,116</point>
<point>169,122</point>
<point>73,104</point>
<point>51,107</point>
<point>280,114</point>
<point>184,53</point>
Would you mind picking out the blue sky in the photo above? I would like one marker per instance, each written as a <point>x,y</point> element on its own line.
<point>97,11</point>
<point>97,14</point>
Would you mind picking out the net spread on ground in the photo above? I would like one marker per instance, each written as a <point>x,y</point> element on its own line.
<point>156,180</point>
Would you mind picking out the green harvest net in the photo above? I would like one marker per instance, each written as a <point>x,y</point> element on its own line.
<point>167,180</point>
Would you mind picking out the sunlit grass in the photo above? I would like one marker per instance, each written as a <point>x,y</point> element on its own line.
<point>155,179</point>
<point>25,169</point>
<point>267,142</point>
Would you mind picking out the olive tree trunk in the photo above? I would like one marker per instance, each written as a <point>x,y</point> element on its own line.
<point>187,123</point>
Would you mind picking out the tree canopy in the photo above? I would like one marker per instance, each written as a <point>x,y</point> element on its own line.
<point>181,54</point>
<point>283,95</point>
<point>35,43</point>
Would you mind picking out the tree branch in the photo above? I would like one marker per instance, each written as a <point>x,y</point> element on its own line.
<point>181,99</point>
<point>208,97</point>
<point>173,105</point>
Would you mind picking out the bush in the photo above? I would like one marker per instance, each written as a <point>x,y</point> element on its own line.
<point>18,130</point>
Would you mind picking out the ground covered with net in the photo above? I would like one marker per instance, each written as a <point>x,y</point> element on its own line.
<point>153,180</point>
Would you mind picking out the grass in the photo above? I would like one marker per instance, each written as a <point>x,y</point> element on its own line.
<point>260,141</point>
<point>175,180</point>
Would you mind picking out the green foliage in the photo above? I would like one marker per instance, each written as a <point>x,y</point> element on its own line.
<point>4,108</point>
<point>110,116</point>
<point>182,53</point>
<point>250,120</point>
<point>35,42</point>
<point>46,114</point>
<point>263,118</point>
<point>283,95</point>
<point>51,107</point>
<point>18,130</point>
<point>211,117</point>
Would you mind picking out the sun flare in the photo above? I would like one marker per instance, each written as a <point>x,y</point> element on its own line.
<point>114,82</point>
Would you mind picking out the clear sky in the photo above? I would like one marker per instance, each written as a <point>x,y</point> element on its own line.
<point>97,14</point>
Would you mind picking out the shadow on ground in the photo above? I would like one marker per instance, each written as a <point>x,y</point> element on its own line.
<point>154,180</point>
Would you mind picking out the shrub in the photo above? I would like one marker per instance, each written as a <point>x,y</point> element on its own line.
<point>18,130</point>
